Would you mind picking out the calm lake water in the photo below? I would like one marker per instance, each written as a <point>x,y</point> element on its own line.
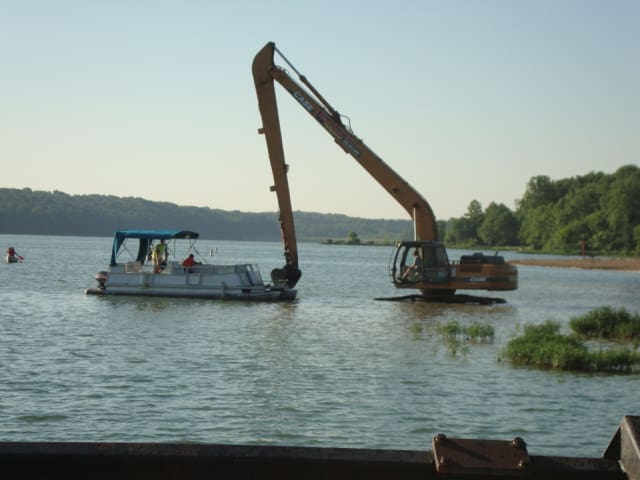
<point>334,369</point>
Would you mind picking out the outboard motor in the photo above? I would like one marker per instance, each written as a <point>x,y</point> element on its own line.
<point>101,278</point>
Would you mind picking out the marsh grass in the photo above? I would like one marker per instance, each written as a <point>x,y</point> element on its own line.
<point>449,329</point>
<point>475,333</point>
<point>479,333</point>
<point>543,346</point>
<point>607,323</point>
<point>457,336</point>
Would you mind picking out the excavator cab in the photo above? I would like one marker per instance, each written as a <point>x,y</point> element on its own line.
<point>416,263</point>
<point>424,265</point>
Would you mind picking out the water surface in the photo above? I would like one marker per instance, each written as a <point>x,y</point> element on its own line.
<point>335,368</point>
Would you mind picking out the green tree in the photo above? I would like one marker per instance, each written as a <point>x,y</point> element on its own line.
<point>636,239</point>
<point>576,217</point>
<point>622,203</point>
<point>536,226</point>
<point>352,238</point>
<point>500,226</point>
<point>475,214</point>
<point>540,191</point>
<point>603,210</point>
<point>461,231</point>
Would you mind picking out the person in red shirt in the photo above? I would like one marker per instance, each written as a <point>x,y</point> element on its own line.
<point>189,262</point>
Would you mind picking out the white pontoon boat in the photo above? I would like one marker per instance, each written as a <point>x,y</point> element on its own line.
<point>167,277</point>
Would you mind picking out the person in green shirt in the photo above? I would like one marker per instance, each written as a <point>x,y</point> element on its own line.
<point>160,256</point>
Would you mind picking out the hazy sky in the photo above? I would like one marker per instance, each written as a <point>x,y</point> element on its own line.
<point>465,99</point>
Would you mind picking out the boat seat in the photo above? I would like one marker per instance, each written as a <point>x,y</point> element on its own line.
<point>133,267</point>
<point>173,267</point>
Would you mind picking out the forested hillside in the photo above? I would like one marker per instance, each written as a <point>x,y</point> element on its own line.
<point>24,211</point>
<point>601,210</point>
<point>558,215</point>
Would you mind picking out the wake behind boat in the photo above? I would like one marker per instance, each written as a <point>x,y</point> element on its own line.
<point>153,269</point>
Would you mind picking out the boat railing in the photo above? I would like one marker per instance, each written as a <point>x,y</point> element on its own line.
<point>133,267</point>
<point>176,268</point>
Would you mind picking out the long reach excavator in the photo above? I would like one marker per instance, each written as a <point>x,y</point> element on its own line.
<point>421,263</point>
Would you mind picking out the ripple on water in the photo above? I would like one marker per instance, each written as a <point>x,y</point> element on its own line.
<point>41,418</point>
<point>333,369</point>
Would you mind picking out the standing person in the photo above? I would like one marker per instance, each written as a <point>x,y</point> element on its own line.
<point>160,256</point>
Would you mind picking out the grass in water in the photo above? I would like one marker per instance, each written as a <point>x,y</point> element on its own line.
<point>543,346</point>
<point>607,323</point>
<point>449,329</point>
<point>475,333</point>
<point>455,335</point>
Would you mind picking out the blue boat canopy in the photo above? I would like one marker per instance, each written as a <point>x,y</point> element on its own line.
<point>146,237</point>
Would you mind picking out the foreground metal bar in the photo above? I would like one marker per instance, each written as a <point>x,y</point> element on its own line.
<point>625,446</point>
<point>450,459</point>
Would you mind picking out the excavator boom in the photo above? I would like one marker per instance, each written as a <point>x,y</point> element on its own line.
<point>431,273</point>
<point>265,72</point>
<point>268,106</point>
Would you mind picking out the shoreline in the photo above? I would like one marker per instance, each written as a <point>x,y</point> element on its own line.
<point>588,263</point>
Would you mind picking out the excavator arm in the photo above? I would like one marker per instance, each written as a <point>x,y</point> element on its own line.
<point>290,273</point>
<point>436,277</point>
<point>265,72</point>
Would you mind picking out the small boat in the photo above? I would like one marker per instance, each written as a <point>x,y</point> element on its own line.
<point>12,256</point>
<point>149,273</point>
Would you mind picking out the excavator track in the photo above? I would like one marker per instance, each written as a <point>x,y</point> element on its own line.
<point>455,298</point>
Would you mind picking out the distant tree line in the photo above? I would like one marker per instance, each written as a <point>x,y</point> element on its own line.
<point>25,211</point>
<point>602,210</point>
<point>558,215</point>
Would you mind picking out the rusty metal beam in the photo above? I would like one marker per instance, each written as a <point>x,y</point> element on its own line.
<point>625,446</point>
<point>124,461</point>
<point>450,458</point>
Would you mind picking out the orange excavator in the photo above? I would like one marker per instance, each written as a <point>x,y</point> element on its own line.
<point>421,263</point>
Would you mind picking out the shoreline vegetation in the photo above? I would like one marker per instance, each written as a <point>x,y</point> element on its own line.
<point>586,262</point>
<point>589,263</point>
<point>28,212</point>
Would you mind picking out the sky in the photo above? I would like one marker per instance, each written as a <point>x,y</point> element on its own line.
<point>466,100</point>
